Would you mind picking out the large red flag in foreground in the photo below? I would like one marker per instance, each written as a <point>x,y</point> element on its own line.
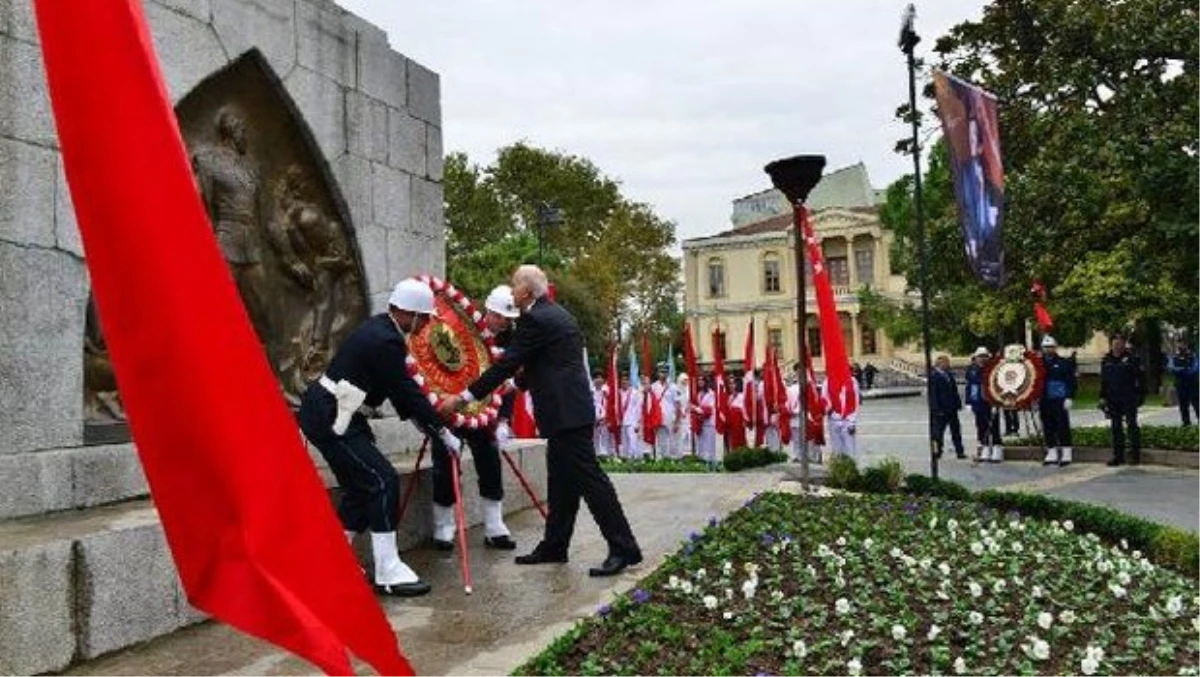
<point>612,405</point>
<point>719,390</point>
<point>751,396</point>
<point>693,372</point>
<point>842,396</point>
<point>263,552</point>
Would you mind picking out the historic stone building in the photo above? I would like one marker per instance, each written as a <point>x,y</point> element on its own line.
<point>748,274</point>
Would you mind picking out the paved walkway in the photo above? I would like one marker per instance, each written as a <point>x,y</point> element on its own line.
<point>516,611</point>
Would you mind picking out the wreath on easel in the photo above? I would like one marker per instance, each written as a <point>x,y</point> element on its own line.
<point>1015,378</point>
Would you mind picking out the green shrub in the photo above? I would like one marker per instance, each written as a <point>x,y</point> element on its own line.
<point>751,457</point>
<point>657,465</point>
<point>886,477</point>
<point>921,485</point>
<point>843,473</point>
<point>1177,549</point>
<point>1153,437</point>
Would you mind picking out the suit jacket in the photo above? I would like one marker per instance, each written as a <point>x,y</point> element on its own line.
<point>548,344</point>
<point>945,393</point>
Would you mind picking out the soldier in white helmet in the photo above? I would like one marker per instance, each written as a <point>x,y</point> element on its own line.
<point>368,368</point>
<point>485,444</point>
<point>1055,404</point>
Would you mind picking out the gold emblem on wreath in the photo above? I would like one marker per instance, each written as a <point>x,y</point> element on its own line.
<point>445,347</point>
<point>1015,378</point>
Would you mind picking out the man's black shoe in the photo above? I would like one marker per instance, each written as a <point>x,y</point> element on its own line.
<point>403,589</point>
<point>960,456</point>
<point>1115,462</point>
<point>500,542</point>
<point>614,565</point>
<point>539,557</point>
<point>444,546</point>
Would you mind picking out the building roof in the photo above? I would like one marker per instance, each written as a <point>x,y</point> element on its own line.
<point>845,187</point>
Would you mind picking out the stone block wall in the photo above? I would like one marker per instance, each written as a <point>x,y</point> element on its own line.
<point>375,117</point>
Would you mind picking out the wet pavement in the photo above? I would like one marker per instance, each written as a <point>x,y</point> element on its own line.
<point>516,611</point>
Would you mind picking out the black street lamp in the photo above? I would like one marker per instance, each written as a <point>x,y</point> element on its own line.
<point>548,214</point>
<point>908,41</point>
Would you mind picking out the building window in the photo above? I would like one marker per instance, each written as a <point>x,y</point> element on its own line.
<point>716,278</point>
<point>814,340</point>
<point>775,339</point>
<point>771,280</point>
<point>839,271</point>
<point>864,266</point>
<point>719,347</point>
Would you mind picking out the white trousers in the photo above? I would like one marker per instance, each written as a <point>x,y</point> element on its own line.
<point>631,442</point>
<point>771,438</point>
<point>840,439</point>
<point>706,443</point>
<point>604,441</point>
<point>664,442</point>
<point>683,441</point>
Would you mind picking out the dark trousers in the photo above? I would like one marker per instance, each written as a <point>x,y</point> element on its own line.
<point>1189,400</point>
<point>1056,423</point>
<point>987,426</point>
<point>574,473</point>
<point>941,421</point>
<point>1012,422</point>
<point>487,467</point>
<point>1120,418</point>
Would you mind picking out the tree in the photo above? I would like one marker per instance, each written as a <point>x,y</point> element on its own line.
<point>1098,110</point>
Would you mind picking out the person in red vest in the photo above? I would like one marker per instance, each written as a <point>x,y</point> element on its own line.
<point>735,424</point>
<point>704,410</point>
<point>602,437</point>
<point>663,400</point>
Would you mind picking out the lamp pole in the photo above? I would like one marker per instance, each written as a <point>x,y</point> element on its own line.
<point>548,214</point>
<point>908,42</point>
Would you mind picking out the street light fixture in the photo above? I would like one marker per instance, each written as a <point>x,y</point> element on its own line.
<point>548,214</point>
<point>908,41</point>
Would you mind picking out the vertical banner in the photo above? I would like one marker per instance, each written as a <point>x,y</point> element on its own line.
<point>972,132</point>
<point>837,363</point>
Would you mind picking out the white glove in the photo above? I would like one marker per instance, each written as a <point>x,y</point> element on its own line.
<point>1067,404</point>
<point>503,435</point>
<point>774,420</point>
<point>453,444</point>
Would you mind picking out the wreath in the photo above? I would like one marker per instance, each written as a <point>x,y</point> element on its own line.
<point>1015,378</point>
<point>451,351</point>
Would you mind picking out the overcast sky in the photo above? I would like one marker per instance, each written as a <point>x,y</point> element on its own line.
<point>682,102</point>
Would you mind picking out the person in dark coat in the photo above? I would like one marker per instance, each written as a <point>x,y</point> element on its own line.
<point>1122,391</point>
<point>1055,405</point>
<point>945,403</point>
<point>1185,367</point>
<point>368,368</point>
<point>990,447</point>
<point>548,344</point>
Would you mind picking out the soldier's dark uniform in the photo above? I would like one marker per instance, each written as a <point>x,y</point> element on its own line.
<point>1056,420</point>
<point>1122,391</point>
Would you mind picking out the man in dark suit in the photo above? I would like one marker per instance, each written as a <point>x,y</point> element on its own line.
<point>945,403</point>
<point>548,344</point>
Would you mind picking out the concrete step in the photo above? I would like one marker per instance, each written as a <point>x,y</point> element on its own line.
<point>78,584</point>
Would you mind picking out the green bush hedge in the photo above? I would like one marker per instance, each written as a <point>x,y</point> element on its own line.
<point>843,473</point>
<point>1153,437</point>
<point>738,459</point>
<point>1164,545</point>
<point>752,457</point>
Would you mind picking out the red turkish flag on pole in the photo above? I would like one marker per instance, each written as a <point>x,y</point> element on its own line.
<point>264,552</point>
<point>750,400</point>
<point>837,364</point>
<point>721,396</point>
<point>612,407</point>
<point>693,372</point>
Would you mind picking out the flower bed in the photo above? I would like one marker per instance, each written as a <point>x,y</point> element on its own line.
<point>890,585</point>
<point>738,459</point>
<point>1153,437</point>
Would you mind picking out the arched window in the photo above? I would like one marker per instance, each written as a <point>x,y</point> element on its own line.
<point>716,278</point>
<point>772,273</point>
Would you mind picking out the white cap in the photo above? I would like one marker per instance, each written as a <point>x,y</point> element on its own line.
<point>501,302</point>
<point>981,352</point>
<point>1049,342</point>
<point>412,295</point>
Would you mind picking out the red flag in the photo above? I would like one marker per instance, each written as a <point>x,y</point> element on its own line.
<point>837,364</point>
<point>524,426</point>
<point>770,399</point>
<point>693,371</point>
<point>1045,322</point>
<point>750,399</point>
<point>719,390</point>
<point>265,556</point>
<point>785,418</point>
<point>814,410</point>
<point>652,416</point>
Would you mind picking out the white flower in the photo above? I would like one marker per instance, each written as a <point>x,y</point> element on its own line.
<point>839,582</point>
<point>1116,590</point>
<point>925,564</point>
<point>1014,524</point>
<point>1124,544</point>
<point>908,561</point>
<point>842,606</point>
<point>1039,556</point>
<point>896,552</point>
<point>898,632</point>
<point>710,602</point>
<point>1036,648</point>
<point>799,648</point>
<point>1017,547</point>
<point>701,573</point>
<point>1094,652</point>
<point>749,587</point>
<point>854,667</point>
<point>999,586</point>
<point>1037,592</point>
<point>1066,616</point>
<point>989,541</point>
<point>934,631</point>
<point>777,596</point>
<point>1123,578</point>
<point>960,666</point>
<point>841,541</point>
<point>941,594</point>
<point>933,522</point>
<point>1103,566</point>
<point>672,582</point>
<point>1088,666</point>
<point>727,568</point>
<point>823,550</point>
<point>811,571</point>
<point>1069,525</point>
<point>868,543</point>
<point>1000,533</point>
<point>994,548</point>
<point>952,524</point>
<point>1045,619</point>
<point>1137,554</point>
<point>976,589</point>
<point>975,618</point>
<point>847,635</point>
<point>976,548</point>
<point>751,569</point>
<point>728,593</point>
<point>1054,524</point>
<point>728,615</point>
<point>686,587</point>
<point>1175,605</point>
<point>944,568</point>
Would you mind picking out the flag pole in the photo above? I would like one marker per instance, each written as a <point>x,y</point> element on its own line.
<point>908,42</point>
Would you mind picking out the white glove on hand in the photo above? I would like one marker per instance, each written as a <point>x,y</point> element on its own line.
<point>503,435</point>
<point>774,420</point>
<point>1067,404</point>
<point>453,444</point>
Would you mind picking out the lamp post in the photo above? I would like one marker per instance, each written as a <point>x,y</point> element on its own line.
<point>908,41</point>
<point>548,214</point>
<point>795,178</point>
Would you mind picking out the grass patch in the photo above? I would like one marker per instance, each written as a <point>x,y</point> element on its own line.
<point>1175,437</point>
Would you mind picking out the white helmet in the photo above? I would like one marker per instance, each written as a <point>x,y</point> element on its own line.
<point>501,302</point>
<point>981,352</point>
<point>412,295</point>
<point>1049,342</point>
